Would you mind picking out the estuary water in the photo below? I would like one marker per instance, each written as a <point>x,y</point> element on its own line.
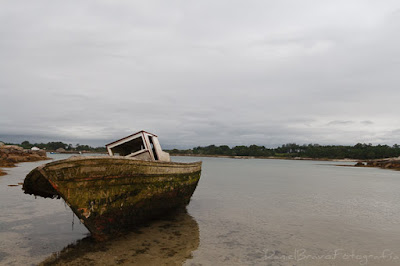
<point>243,212</point>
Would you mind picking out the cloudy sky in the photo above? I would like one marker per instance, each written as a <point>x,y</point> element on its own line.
<point>201,72</point>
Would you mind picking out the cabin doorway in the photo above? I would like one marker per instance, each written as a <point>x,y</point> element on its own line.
<point>153,148</point>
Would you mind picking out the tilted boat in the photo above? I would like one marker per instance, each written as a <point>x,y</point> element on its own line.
<point>110,194</point>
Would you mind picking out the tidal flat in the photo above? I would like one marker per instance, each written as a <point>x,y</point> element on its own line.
<point>243,212</point>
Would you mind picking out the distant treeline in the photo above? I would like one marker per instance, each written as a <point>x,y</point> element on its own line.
<point>360,151</point>
<point>53,146</point>
<point>291,150</point>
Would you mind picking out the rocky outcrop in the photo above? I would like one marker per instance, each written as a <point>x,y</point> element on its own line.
<point>360,163</point>
<point>385,163</point>
<point>12,154</point>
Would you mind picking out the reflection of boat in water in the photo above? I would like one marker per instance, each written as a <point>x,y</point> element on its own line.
<point>169,241</point>
<point>112,193</point>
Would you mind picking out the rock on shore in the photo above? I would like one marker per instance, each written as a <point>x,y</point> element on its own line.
<point>11,155</point>
<point>383,163</point>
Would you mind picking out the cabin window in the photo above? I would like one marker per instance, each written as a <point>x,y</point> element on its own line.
<point>153,148</point>
<point>129,147</point>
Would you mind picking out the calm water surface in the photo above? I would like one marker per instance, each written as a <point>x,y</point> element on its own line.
<point>243,212</point>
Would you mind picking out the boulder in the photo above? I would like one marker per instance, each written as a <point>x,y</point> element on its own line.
<point>388,165</point>
<point>12,147</point>
<point>42,153</point>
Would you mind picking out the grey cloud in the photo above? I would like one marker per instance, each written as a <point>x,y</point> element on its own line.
<point>261,72</point>
<point>339,122</point>
<point>367,122</point>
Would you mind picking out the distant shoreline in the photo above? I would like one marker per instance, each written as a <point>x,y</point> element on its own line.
<point>384,163</point>
<point>76,152</point>
<point>266,157</point>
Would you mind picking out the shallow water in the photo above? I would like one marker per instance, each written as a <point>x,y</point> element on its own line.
<point>243,212</point>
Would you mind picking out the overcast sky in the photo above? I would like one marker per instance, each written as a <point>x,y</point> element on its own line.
<point>201,72</point>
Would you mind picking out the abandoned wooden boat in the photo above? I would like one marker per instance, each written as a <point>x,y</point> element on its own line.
<point>109,194</point>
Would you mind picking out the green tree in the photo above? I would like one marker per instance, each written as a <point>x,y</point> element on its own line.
<point>26,145</point>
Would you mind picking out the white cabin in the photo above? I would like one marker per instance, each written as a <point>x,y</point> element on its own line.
<point>141,145</point>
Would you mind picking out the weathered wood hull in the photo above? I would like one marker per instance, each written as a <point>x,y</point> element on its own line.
<point>110,194</point>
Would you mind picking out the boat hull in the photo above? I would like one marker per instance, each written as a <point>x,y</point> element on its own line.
<point>110,195</point>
